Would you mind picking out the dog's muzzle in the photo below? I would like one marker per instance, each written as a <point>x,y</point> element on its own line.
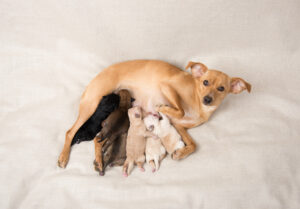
<point>207,100</point>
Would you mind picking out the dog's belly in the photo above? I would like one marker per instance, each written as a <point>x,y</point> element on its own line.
<point>146,96</point>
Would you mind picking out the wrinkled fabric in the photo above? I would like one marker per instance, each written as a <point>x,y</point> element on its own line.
<point>248,152</point>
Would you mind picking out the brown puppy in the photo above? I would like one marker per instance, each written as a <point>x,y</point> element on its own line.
<point>187,99</point>
<point>113,135</point>
<point>113,153</point>
<point>136,141</point>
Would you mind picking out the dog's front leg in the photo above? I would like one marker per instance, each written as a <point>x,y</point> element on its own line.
<point>190,145</point>
<point>176,111</point>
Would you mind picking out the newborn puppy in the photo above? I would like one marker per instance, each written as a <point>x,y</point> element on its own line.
<point>92,126</point>
<point>165,131</point>
<point>113,135</point>
<point>115,154</point>
<point>136,141</point>
<point>155,152</point>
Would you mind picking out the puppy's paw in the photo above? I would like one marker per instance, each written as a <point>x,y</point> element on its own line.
<point>63,160</point>
<point>98,168</point>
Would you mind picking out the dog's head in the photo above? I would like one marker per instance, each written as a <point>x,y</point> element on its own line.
<point>213,85</point>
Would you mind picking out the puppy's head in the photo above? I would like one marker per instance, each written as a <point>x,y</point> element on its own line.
<point>213,85</point>
<point>135,114</point>
<point>151,121</point>
<point>125,99</point>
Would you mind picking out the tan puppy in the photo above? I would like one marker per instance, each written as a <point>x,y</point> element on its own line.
<point>170,138</point>
<point>188,99</point>
<point>136,141</point>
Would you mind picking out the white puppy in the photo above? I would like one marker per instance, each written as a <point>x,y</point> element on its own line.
<point>155,152</point>
<point>170,138</point>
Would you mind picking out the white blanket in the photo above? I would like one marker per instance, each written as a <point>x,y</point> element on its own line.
<point>248,152</point>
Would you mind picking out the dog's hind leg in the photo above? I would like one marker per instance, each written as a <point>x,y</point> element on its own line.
<point>98,162</point>
<point>103,84</point>
<point>86,110</point>
<point>190,145</point>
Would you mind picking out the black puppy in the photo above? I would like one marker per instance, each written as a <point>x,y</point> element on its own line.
<point>92,126</point>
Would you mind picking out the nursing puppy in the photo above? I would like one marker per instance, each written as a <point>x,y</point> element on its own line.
<point>92,126</point>
<point>170,138</point>
<point>188,99</point>
<point>155,152</point>
<point>136,141</point>
<point>110,143</point>
<point>113,153</point>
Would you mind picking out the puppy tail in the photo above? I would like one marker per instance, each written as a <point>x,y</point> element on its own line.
<point>156,161</point>
<point>127,167</point>
<point>130,167</point>
<point>152,165</point>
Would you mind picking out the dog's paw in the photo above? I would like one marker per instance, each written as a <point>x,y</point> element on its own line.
<point>63,161</point>
<point>178,154</point>
<point>159,107</point>
<point>162,108</point>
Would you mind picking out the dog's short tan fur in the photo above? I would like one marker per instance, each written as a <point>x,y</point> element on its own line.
<point>178,93</point>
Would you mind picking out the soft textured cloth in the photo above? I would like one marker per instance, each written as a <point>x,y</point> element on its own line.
<point>248,152</point>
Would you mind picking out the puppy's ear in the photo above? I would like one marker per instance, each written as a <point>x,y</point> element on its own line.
<point>198,69</point>
<point>237,85</point>
<point>151,128</point>
<point>104,123</point>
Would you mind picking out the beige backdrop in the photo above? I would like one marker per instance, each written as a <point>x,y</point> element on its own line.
<point>248,154</point>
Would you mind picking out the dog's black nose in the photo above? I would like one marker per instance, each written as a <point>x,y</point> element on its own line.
<point>207,100</point>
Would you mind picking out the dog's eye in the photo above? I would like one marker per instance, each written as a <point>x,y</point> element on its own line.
<point>220,88</point>
<point>205,83</point>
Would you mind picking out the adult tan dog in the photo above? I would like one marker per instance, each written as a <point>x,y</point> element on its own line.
<point>188,99</point>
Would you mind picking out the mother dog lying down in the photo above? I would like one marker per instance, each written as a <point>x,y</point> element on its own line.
<point>157,86</point>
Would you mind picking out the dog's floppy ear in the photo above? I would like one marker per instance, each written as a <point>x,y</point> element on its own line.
<point>237,85</point>
<point>198,69</point>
